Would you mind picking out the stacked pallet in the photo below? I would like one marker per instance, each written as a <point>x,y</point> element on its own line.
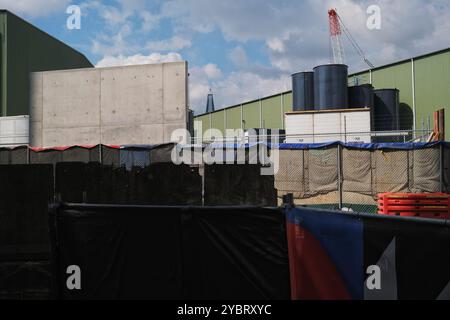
<point>425,205</point>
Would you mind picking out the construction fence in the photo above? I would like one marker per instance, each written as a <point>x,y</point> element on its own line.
<point>339,175</point>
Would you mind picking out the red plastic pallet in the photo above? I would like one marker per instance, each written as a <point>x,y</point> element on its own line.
<point>393,195</point>
<point>390,201</point>
<point>427,205</point>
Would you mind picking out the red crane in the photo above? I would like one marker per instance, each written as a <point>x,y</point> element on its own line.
<point>335,37</point>
<point>337,27</point>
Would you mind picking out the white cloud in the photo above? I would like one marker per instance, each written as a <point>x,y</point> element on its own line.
<point>212,71</point>
<point>233,88</point>
<point>110,61</point>
<point>294,34</point>
<point>173,44</point>
<point>122,20</point>
<point>238,56</point>
<point>33,8</point>
<point>116,44</point>
<point>149,21</point>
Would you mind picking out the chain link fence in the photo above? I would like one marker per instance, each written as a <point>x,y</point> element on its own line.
<point>342,176</point>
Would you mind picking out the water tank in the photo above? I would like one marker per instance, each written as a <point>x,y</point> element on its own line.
<point>330,87</point>
<point>303,91</point>
<point>360,96</point>
<point>386,107</point>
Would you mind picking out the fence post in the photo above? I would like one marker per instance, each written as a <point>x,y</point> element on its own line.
<point>100,153</point>
<point>339,169</point>
<point>441,166</point>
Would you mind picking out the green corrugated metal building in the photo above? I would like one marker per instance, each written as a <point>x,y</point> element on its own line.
<point>423,81</point>
<point>25,49</point>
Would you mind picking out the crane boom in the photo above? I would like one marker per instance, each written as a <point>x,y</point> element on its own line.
<point>337,27</point>
<point>335,37</point>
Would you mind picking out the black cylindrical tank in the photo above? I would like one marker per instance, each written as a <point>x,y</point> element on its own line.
<point>361,96</point>
<point>303,91</point>
<point>330,87</point>
<point>386,107</point>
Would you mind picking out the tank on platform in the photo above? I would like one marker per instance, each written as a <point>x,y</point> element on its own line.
<point>303,91</point>
<point>386,105</point>
<point>330,87</point>
<point>361,96</point>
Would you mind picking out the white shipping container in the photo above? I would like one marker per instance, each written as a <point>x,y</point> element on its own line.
<point>14,131</point>
<point>347,125</point>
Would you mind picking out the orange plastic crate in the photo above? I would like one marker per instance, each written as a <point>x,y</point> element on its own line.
<point>427,205</point>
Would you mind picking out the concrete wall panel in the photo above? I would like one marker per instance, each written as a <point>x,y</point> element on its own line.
<point>122,105</point>
<point>116,135</point>
<point>175,92</point>
<point>132,95</point>
<point>69,136</point>
<point>71,99</point>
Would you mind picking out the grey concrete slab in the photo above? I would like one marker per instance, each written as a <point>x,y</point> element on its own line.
<point>175,92</point>
<point>36,96</point>
<point>139,134</point>
<point>71,99</point>
<point>121,105</point>
<point>132,95</point>
<point>53,137</point>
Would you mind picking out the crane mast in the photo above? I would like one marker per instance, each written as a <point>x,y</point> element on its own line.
<point>337,28</point>
<point>335,37</point>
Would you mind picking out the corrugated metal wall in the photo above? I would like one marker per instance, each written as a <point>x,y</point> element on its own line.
<point>27,49</point>
<point>431,85</point>
<point>266,113</point>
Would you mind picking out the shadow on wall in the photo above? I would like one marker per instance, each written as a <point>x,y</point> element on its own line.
<point>406,118</point>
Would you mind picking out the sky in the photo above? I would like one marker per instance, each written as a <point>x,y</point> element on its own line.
<point>241,49</point>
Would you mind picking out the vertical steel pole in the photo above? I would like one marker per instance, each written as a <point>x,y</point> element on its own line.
<point>413,90</point>
<point>282,111</point>
<point>339,169</point>
<point>441,167</point>
<point>260,114</point>
<point>100,153</point>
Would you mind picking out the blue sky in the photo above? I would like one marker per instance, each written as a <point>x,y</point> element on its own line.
<point>242,49</point>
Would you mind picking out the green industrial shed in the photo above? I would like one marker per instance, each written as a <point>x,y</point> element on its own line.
<point>25,49</point>
<point>423,81</point>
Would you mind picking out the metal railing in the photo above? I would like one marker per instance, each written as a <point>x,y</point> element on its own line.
<point>368,136</point>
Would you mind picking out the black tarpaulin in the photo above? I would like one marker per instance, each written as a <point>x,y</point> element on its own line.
<point>26,191</point>
<point>129,252</point>
<point>4,155</point>
<point>19,155</point>
<point>134,157</point>
<point>413,256</point>
<point>162,153</point>
<point>50,156</point>
<point>30,280</point>
<point>81,154</point>
<point>110,156</point>
<point>238,185</point>
<point>156,184</point>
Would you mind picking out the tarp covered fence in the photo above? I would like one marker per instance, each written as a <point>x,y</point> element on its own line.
<point>26,191</point>
<point>354,174</point>
<point>150,252</point>
<point>127,155</point>
<point>334,255</point>
<point>157,184</point>
<point>238,184</point>
<point>242,253</point>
